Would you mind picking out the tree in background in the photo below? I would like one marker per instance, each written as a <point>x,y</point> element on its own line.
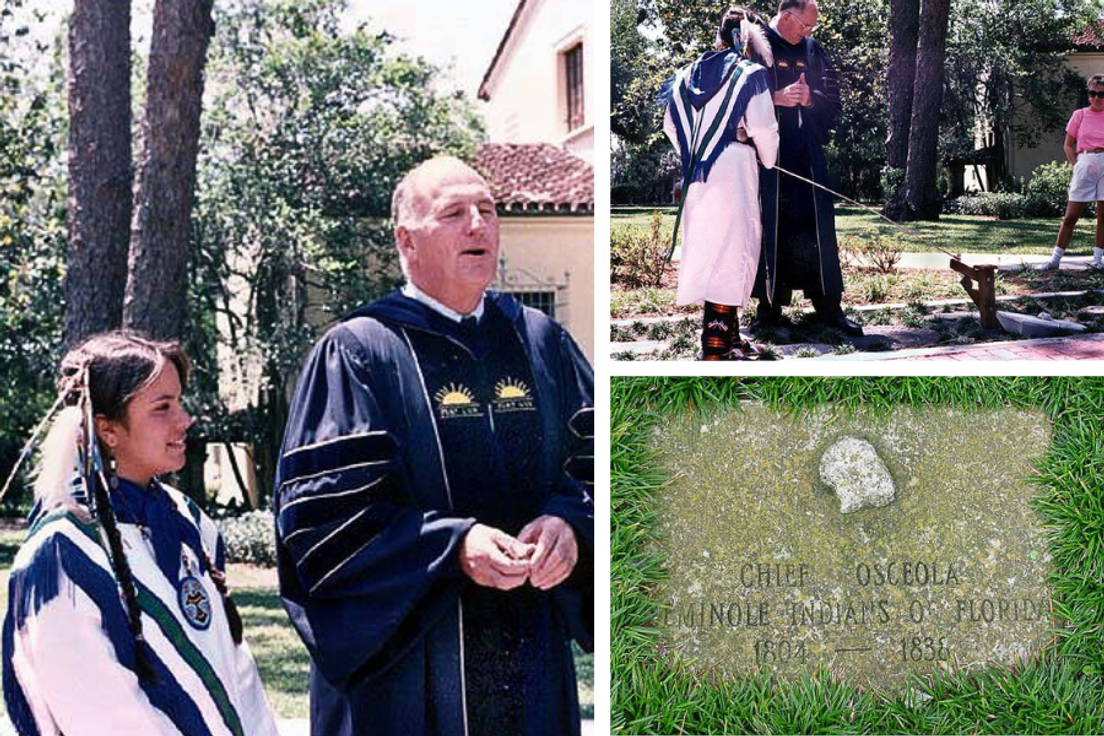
<point>642,164</point>
<point>637,67</point>
<point>32,228</point>
<point>160,236</point>
<point>100,173</point>
<point>1006,73</point>
<point>1003,73</point>
<point>904,30</point>
<point>853,33</point>
<point>307,132</point>
<point>918,198</point>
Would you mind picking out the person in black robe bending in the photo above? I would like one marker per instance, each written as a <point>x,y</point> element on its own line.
<point>799,230</point>
<point>434,510</point>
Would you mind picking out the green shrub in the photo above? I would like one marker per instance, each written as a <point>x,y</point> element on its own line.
<point>1049,185</point>
<point>912,318</point>
<point>883,252</point>
<point>637,257</point>
<point>877,317</point>
<point>1001,205</point>
<point>250,538</point>
<point>1045,195</point>
<point>874,289</point>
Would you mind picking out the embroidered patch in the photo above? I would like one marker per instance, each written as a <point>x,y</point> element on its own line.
<point>512,395</point>
<point>455,401</point>
<point>195,604</point>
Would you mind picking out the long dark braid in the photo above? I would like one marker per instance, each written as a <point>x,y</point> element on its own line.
<point>105,513</point>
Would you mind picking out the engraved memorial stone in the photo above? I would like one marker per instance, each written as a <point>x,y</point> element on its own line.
<point>851,467</point>
<point>944,567</point>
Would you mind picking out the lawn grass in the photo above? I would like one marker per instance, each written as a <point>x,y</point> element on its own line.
<point>957,233</point>
<point>281,658</point>
<point>1061,691</point>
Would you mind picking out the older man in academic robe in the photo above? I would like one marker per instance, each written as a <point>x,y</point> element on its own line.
<point>435,524</point>
<point>799,232</point>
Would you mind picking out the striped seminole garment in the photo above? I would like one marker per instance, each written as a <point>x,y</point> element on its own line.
<point>703,130</point>
<point>70,657</point>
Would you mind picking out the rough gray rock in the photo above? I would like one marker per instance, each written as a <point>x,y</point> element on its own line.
<point>852,468</point>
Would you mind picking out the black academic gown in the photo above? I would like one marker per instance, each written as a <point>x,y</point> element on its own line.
<point>407,429</point>
<point>799,230</point>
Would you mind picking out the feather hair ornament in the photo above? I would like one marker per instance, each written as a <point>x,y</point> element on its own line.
<point>755,39</point>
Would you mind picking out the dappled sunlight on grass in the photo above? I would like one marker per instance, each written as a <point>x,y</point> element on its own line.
<point>957,233</point>
<point>282,659</point>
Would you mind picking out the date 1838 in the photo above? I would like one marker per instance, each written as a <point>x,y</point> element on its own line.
<point>924,649</point>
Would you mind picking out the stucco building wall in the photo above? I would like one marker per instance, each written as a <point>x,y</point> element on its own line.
<point>525,90</point>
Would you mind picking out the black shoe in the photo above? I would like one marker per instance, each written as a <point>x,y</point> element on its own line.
<point>840,322</point>
<point>769,322</point>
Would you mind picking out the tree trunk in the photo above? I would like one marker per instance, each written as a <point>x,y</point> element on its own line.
<point>997,170</point>
<point>160,234</point>
<point>100,174</point>
<point>904,28</point>
<point>917,199</point>
<point>273,407</point>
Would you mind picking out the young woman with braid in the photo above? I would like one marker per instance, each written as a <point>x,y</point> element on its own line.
<point>720,117</point>
<point>118,620</point>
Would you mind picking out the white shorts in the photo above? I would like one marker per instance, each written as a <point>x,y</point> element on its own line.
<point>1087,184</point>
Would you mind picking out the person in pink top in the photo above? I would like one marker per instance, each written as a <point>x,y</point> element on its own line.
<point>1085,151</point>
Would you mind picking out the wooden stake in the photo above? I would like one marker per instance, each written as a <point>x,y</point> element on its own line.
<point>984,294</point>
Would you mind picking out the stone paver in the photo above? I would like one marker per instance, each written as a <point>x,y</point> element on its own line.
<point>934,304</point>
<point>1005,261</point>
<point>1081,347</point>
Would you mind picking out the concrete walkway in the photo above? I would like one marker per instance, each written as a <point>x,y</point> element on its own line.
<point>1080,347</point>
<point>1004,262</point>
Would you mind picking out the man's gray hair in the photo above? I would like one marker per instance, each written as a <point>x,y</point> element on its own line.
<point>1096,80</point>
<point>798,5</point>
<point>402,200</point>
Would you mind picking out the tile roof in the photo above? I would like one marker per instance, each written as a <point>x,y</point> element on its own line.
<point>1091,36</point>
<point>537,178</point>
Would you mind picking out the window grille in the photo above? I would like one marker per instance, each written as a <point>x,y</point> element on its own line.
<point>573,67</point>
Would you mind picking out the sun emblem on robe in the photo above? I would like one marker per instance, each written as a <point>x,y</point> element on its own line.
<point>512,394</point>
<point>508,388</point>
<point>456,400</point>
<point>454,394</point>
